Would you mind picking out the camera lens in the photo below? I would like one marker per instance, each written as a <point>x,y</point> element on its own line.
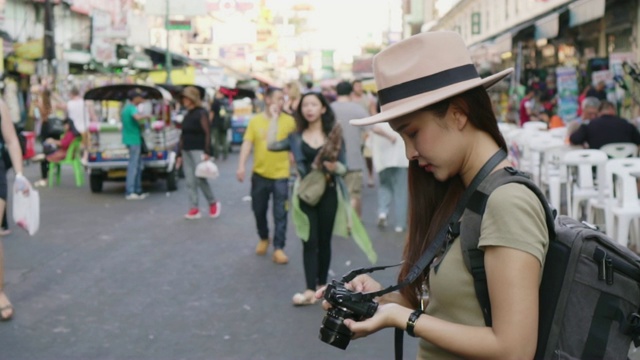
<point>333,331</point>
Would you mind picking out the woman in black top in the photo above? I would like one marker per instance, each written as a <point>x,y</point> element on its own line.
<point>195,146</point>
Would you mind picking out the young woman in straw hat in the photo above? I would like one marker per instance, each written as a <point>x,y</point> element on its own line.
<point>439,105</point>
<point>195,146</point>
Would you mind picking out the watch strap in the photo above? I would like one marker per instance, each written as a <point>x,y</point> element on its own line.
<point>411,323</point>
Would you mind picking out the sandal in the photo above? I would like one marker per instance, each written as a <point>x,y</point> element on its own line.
<point>5,308</point>
<point>306,298</point>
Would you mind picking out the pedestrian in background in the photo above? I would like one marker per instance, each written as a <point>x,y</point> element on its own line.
<point>292,95</point>
<point>346,109</point>
<point>220,117</point>
<point>11,143</point>
<point>49,128</point>
<point>132,120</point>
<point>270,174</point>
<point>390,161</point>
<point>195,147</point>
<point>318,144</point>
<point>314,120</point>
<point>359,96</point>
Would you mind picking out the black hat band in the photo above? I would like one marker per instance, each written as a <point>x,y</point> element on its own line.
<point>427,83</point>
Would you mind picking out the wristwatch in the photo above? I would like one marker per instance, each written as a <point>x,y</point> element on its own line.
<point>411,323</point>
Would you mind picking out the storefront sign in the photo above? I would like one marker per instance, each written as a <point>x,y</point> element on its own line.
<point>21,66</point>
<point>30,50</point>
<point>567,85</point>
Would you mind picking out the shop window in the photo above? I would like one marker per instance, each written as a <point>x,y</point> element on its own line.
<point>619,41</point>
<point>475,23</point>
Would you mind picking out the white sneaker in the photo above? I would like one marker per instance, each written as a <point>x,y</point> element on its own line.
<point>133,197</point>
<point>382,220</point>
<point>399,229</point>
<point>143,195</point>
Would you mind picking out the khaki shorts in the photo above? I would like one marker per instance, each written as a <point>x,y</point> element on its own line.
<point>353,180</point>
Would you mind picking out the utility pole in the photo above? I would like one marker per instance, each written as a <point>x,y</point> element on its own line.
<point>49,39</point>
<point>167,56</point>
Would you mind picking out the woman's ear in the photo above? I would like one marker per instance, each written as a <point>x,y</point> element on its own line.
<point>460,118</point>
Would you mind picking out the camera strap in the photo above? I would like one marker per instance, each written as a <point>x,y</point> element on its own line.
<point>440,239</point>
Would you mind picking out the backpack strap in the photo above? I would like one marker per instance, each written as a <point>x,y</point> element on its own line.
<point>470,229</point>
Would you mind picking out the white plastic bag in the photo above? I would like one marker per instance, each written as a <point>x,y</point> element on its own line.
<point>207,169</point>
<point>26,210</point>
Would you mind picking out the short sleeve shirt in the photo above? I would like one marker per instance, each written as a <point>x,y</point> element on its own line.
<point>130,126</point>
<point>514,218</point>
<point>269,164</point>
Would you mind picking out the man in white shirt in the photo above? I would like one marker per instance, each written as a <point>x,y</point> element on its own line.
<point>390,161</point>
<point>76,111</point>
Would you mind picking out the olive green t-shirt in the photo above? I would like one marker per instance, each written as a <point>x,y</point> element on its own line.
<point>514,218</point>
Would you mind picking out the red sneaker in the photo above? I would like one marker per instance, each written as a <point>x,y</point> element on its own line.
<point>193,214</point>
<point>214,209</point>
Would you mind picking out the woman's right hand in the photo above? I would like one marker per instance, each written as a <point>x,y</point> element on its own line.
<point>362,283</point>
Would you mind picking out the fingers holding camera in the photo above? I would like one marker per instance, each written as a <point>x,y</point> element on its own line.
<point>386,316</point>
<point>363,283</point>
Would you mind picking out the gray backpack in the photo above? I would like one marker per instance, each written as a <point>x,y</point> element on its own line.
<point>590,290</point>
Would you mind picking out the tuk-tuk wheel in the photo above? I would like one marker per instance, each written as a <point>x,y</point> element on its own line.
<point>95,182</point>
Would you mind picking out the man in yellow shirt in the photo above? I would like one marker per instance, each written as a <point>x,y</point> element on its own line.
<point>270,172</point>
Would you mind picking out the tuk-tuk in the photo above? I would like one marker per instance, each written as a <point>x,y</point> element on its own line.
<point>243,110</point>
<point>108,156</point>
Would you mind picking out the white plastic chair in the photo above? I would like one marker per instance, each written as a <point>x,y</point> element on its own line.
<point>623,204</point>
<point>537,147</point>
<point>531,159</point>
<point>552,176</point>
<point>578,167</point>
<point>535,125</point>
<point>506,127</point>
<point>560,133</point>
<point>620,150</point>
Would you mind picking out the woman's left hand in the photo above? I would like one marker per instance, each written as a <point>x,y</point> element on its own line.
<point>331,166</point>
<point>383,318</point>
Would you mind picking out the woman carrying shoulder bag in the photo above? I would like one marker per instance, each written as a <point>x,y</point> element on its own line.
<point>318,145</point>
<point>195,146</point>
<point>441,108</point>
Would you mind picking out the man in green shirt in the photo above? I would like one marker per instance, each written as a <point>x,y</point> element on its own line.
<point>132,138</point>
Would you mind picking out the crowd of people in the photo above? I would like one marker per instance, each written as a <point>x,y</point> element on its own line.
<point>597,121</point>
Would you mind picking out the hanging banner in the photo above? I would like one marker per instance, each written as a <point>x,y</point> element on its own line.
<point>567,85</point>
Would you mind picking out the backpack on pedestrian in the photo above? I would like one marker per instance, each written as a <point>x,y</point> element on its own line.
<point>590,289</point>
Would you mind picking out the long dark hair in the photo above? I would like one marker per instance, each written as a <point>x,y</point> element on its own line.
<point>432,202</point>
<point>72,127</point>
<point>328,118</point>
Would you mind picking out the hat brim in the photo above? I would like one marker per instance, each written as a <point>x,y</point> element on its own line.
<point>420,101</point>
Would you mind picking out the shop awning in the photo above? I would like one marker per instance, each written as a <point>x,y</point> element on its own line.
<point>583,11</point>
<point>548,27</point>
<point>503,43</point>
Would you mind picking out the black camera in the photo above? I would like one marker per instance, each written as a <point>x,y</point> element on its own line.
<point>345,304</point>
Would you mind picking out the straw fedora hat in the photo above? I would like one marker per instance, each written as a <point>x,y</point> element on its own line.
<point>192,94</point>
<point>423,70</point>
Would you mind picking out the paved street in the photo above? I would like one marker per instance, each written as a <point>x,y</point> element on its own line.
<point>107,278</point>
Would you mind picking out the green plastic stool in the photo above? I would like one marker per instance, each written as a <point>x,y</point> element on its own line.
<point>73,158</point>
